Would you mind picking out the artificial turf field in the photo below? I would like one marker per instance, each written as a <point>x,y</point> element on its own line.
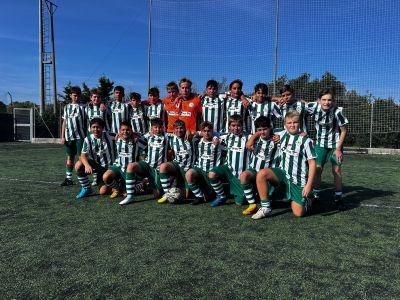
<point>53,246</point>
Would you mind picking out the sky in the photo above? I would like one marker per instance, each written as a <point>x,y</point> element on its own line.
<point>357,41</point>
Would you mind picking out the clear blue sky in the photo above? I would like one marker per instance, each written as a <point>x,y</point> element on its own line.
<point>358,41</point>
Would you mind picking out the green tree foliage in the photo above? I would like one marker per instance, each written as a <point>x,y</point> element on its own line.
<point>105,86</point>
<point>3,107</point>
<point>85,93</point>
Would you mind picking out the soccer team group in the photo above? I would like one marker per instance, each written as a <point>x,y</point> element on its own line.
<point>205,147</point>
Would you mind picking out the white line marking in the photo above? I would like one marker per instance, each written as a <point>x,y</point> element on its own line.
<point>28,180</point>
<point>380,206</point>
<point>26,150</point>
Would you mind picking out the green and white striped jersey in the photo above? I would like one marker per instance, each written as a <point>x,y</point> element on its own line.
<point>234,106</point>
<point>119,112</point>
<point>94,112</point>
<point>301,108</point>
<point>155,111</point>
<point>75,122</point>
<point>209,155</point>
<point>214,111</point>
<point>295,151</point>
<point>265,155</point>
<point>327,124</point>
<point>101,150</point>
<point>184,152</point>
<point>157,149</point>
<point>138,119</point>
<point>237,156</point>
<point>268,109</point>
<point>128,151</point>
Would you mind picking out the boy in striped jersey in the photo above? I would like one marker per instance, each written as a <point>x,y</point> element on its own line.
<point>73,131</point>
<point>137,114</point>
<point>119,111</point>
<point>97,155</point>
<point>264,155</point>
<point>237,160</point>
<point>296,172</point>
<point>288,102</point>
<point>236,103</point>
<point>127,151</point>
<point>213,106</point>
<point>209,156</point>
<point>184,157</point>
<point>157,150</point>
<point>262,106</point>
<point>331,130</point>
<point>155,108</point>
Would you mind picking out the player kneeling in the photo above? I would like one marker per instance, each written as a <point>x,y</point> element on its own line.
<point>97,154</point>
<point>296,172</point>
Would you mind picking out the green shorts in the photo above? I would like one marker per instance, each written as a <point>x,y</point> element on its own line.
<point>99,170</point>
<point>203,181</point>
<point>117,170</point>
<point>325,154</point>
<point>152,174</point>
<point>74,147</point>
<point>180,176</point>
<point>235,187</point>
<point>292,191</point>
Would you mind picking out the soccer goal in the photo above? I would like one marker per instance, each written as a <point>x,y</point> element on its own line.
<point>23,124</point>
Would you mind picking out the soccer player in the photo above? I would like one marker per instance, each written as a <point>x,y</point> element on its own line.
<point>137,114</point>
<point>184,157</point>
<point>264,154</point>
<point>209,156</point>
<point>237,160</point>
<point>295,173</point>
<point>170,106</point>
<point>73,131</point>
<point>262,106</point>
<point>154,108</point>
<point>288,102</point>
<point>157,150</point>
<point>127,151</point>
<point>97,154</point>
<point>119,111</point>
<point>213,106</point>
<point>330,125</point>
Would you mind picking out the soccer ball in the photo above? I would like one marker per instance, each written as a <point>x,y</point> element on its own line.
<point>174,195</point>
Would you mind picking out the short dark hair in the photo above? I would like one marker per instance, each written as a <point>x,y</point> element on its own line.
<point>75,90</point>
<point>261,86</point>
<point>206,124</point>
<point>326,91</point>
<point>179,123</point>
<point>286,88</point>
<point>135,96</point>
<point>95,91</point>
<point>125,123</point>
<point>236,81</point>
<point>156,122</point>
<point>184,79</point>
<point>235,118</point>
<point>154,91</point>
<point>262,121</point>
<point>212,83</point>
<point>172,85</point>
<point>98,121</point>
<point>120,89</point>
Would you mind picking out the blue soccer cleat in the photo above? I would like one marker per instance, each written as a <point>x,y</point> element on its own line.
<point>218,201</point>
<point>84,193</point>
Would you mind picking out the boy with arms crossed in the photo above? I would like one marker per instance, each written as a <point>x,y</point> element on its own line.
<point>209,156</point>
<point>330,125</point>
<point>119,111</point>
<point>265,154</point>
<point>213,107</point>
<point>97,155</point>
<point>73,131</point>
<point>237,160</point>
<point>296,172</point>
<point>137,114</point>
<point>157,150</point>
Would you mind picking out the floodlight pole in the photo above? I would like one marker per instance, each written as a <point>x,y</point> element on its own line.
<point>9,94</point>
<point>149,46</point>
<point>52,10</point>
<point>41,65</point>
<point>276,45</point>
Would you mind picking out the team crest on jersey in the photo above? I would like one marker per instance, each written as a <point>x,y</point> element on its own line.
<point>191,104</point>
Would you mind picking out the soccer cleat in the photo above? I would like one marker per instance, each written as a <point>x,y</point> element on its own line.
<point>115,193</point>
<point>198,200</point>
<point>218,201</point>
<point>84,193</point>
<point>250,210</point>
<point>263,212</point>
<point>67,182</point>
<point>127,200</point>
<point>163,199</point>
<point>339,204</point>
<point>315,196</point>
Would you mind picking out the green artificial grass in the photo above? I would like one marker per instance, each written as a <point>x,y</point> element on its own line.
<point>53,246</point>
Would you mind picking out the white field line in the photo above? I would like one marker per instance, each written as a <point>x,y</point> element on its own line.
<point>28,180</point>
<point>28,150</point>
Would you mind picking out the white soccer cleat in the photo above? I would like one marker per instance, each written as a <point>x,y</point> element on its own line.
<point>263,212</point>
<point>127,200</point>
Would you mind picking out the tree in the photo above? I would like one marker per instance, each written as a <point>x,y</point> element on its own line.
<point>85,93</point>
<point>3,107</point>
<point>105,86</point>
<point>66,92</point>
